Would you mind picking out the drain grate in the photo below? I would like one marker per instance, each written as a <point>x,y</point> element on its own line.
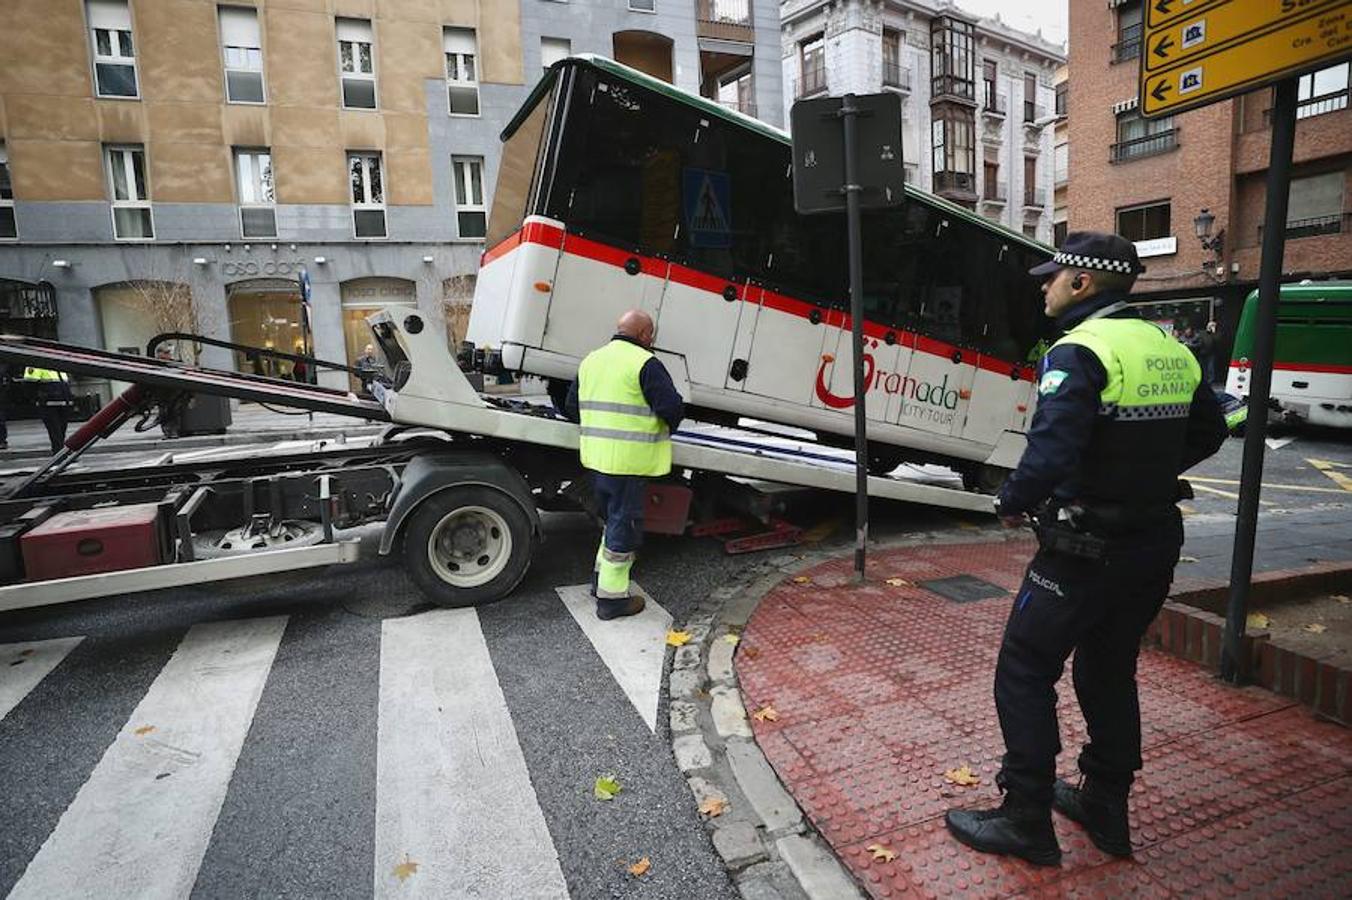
<point>964,589</point>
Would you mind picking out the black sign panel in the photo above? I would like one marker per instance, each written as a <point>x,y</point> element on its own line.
<point>819,153</point>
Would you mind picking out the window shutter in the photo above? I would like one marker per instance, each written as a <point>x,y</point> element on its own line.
<point>239,27</point>
<point>355,30</point>
<point>459,40</point>
<point>112,14</point>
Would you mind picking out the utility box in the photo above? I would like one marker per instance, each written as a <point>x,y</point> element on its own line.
<point>201,414</point>
<point>87,541</point>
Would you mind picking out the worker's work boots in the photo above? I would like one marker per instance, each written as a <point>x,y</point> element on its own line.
<point>1101,809</point>
<point>621,606</point>
<point>1015,828</point>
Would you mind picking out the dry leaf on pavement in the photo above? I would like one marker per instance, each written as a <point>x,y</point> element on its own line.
<point>962,776</point>
<point>1342,598</point>
<point>713,806</point>
<point>750,652</point>
<point>898,582</point>
<point>1316,628</point>
<point>678,638</point>
<point>143,730</point>
<point>1257,620</point>
<point>606,787</point>
<point>881,853</point>
<point>801,579</point>
<point>1187,559</point>
<point>766,713</point>
<point>640,868</point>
<point>405,869</point>
<point>732,638</point>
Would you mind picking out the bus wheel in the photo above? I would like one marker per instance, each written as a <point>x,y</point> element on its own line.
<point>984,479</point>
<point>468,545</point>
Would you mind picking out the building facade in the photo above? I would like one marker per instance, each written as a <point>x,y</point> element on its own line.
<point>1172,183</point>
<point>977,95</point>
<point>176,166</point>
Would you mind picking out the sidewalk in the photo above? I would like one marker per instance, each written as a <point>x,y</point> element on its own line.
<point>877,691</point>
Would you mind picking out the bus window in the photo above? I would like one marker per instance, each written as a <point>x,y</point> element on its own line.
<point>516,174</point>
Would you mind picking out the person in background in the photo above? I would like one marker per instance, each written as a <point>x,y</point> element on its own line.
<point>1206,352</point>
<point>369,367</point>
<point>54,401</point>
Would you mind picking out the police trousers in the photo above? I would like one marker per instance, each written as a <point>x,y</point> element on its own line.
<point>1099,609</point>
<point>619,500</point>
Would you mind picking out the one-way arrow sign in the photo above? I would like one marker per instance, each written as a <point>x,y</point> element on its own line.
<point>1161,91</point>
<point>1162,46</point>
<point>1164,6</point>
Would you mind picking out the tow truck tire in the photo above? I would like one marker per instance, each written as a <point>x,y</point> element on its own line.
<point>467,545</point>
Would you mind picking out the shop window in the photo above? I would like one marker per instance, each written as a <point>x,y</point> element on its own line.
<point>114,54</point>
<point>267,314</point>
<point>462,70</point>
<point>9,229</point>
<point>471,213</point>
<point>356,63</point>
<point>257,198</point>
<point>126,169</point>
<point>553,50</point>
<point>368,195</point>
<point>1144,223</point>
<point>242,51</point>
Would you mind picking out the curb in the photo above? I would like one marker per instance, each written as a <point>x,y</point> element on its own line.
<point>768,846</point>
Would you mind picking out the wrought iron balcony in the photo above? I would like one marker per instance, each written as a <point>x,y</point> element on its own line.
<point>1034,197</point>
<point>725,20</point>
<point>994,104</point>
<point>997,192</point>
<point>1137,148</point>
<point>1128,45</point>
<point>896,75</point>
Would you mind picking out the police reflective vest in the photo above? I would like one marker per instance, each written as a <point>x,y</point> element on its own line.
<point>1136,448</point>
<point>620,435</point>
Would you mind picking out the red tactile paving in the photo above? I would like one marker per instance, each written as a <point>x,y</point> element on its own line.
<point>881,688</point>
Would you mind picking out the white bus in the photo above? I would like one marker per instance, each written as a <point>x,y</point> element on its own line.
<point>617,190</point>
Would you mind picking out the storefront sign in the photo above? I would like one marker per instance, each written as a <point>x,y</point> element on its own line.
<point>1157,247</point>
<point>244,268</point>
<point>378,291</point>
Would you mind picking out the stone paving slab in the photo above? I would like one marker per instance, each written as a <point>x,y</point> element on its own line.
<point>880,688</point>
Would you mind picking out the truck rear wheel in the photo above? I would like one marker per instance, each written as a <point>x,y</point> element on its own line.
<point>468,545</point>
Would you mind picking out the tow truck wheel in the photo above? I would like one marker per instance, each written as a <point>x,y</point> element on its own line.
<point>467,545</point>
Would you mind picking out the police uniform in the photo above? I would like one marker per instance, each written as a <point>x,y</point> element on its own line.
<point>627,406</point>
<point>1122,412</point>
<point>54,401</point>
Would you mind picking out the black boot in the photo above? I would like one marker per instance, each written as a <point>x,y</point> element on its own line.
<point>1101,809</point>
<point>621,606</point>
<point>1016,827</point>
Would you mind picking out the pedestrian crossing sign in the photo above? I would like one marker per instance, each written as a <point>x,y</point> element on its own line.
<point>707,196</point>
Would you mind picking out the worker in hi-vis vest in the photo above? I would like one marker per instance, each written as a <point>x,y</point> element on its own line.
<point>628,407</point>
<point>54,402</point>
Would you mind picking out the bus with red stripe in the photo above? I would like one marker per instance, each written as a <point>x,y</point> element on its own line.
<point>618,191</point>
<point>1312,366</point>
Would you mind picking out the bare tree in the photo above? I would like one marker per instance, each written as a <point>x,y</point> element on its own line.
<point>457,295</point>
<point>161,295</point>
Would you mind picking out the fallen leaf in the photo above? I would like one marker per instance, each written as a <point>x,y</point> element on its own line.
<point>881,853</point>
<point>1316,628</point>
<point>606,787</point>
<point>1342,598</point>
<point>766,713</point>
<point>898,582</point>
<point>678,638</point>
<point>405,869</point>
<point>750,652</point>
<point>732,638</point>
<point>144,730</point>
<point>1187,559</point>
<point>962,776</point>
<point>1257,620</point>
<point>713,806</point>
<point>801,579</point>
<point>640,868</point>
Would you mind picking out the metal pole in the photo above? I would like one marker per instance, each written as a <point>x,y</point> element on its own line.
<point>849,113</point>
<point>1265,341</point>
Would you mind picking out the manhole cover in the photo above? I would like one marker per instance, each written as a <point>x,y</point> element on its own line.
<point>964,588</point>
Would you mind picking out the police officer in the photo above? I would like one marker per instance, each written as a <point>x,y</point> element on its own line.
<point>628,407</point>
<point>1122,412</point>
<point>54,401</point>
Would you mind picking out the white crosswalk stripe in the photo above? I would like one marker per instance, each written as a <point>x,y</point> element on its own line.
<point>141,823</point>
<point>456,814</point>
<point>23,666</point>
<point>634,648</point>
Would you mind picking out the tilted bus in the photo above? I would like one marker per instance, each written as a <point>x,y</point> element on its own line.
<point>617,190</point>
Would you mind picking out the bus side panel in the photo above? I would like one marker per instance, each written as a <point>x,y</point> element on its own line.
<point>591,290</point>
<point>786,351</point>
<point>698,322</point>
<point>492,298</point>
<point>747,316</point>
<point>994,406</point>
<point>532,285</point>
<point>880,365</point>
<point>932,393</point>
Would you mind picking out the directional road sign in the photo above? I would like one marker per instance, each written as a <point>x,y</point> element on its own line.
<point>819,153</point>
<point>1196,52</point>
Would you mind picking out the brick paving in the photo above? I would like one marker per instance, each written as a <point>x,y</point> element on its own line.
<point>880,689</point>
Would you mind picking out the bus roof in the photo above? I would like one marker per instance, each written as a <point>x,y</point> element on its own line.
<point>619,70</point>
<point>1338,292</point>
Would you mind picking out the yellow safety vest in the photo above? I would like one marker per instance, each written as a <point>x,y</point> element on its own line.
<point>33,373</point>
<point>1150,375</point>
<point>620,435</point>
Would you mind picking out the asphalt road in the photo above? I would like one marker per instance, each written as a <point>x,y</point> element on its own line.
<point>298,811</point>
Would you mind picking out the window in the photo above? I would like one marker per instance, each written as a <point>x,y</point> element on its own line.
<point>954,151</point>
<point>1129,26</point>
<point>989,78</point>
<point>471,213</point>
<point>368,195</point>
<point>951,40</point>
<point>1138,137</point>
<point>130,192</point>
<point>1059,232</point>
<point>738,91</point>
<point>114,58</point>
<point>1062,96</point>
<point>990,172</point>
<point>643,5</point>
<point>243,53</point>
<point>253,181</point>
<point>554,49</point>
<point>1322,92</point>
<point>812,66</point>
<point>8,227</point>
<point>356,63</point>
<point>1030,110</point>
<point>462,70</point>
<point>1144,223</point>
<point>1061,162</point>
<point>1315,205</point>
<point>1032,194</point>
<point>1030,231</point>
<point>892,71</point>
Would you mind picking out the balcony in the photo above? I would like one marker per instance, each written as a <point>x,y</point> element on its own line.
<point>1336,223</point>
<point>955,185</point>
<point>746,108</point>
<point>725,20</point>
<point>1315,106</point>
<point>1138,148</point>
<point>950,87</point>
<point>994,104</point>
<point>1128,46</point>
<point>1034,198</point>
<point>1032,113</point>
<point>812,81</point>
<point>996,193</point>
<point>895,75</point>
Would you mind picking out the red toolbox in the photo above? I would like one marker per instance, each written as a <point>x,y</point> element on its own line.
<point>86,541</point>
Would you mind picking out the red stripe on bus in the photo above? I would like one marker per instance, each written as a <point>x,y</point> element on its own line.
<point>551,236</point>
<point>1321,368</point>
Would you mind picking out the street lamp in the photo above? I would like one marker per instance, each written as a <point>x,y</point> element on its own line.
<point>1201,226</point>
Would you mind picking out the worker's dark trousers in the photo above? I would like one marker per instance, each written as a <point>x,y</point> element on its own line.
<point>619,500</point>
<point>1100,610</point>
<point>55,418</point>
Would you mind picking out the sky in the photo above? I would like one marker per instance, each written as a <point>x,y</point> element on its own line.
<point>1025,15</point>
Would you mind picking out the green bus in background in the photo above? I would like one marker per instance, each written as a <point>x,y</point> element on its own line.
<point>1312,372</point>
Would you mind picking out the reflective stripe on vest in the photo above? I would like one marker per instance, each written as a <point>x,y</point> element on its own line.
<point>620,433</point>
<point>1151,376</point>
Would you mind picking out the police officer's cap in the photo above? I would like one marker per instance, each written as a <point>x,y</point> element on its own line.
<point>1093,250</point>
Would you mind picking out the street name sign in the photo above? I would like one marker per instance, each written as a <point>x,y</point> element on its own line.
<point>1197,52</point>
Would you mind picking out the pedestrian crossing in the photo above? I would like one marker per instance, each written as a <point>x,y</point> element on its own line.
<point>456,810</point>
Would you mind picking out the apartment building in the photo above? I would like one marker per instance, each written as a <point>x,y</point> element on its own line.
<point>1190,189</point>
<point>178,165</point>
<point>977,95</point>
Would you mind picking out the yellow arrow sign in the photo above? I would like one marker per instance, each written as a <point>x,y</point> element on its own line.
<point>1218,26</point>
<point>1325,35</point>
<point>1162,12</point>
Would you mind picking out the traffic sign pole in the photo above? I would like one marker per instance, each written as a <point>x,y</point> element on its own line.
<point>849,114</point>
<point>1260,385</point>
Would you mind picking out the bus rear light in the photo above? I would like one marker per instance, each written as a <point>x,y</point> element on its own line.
<point>1022,407</point>
<point>543,287</point>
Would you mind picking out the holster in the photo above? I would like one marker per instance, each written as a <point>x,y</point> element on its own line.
<point>1055,537</point>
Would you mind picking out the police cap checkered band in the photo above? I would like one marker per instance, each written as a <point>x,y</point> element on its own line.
<point>1093,250</point>
<point>1076,261</point>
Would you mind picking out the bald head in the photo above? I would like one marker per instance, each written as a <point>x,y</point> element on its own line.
<point>638,325</point>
